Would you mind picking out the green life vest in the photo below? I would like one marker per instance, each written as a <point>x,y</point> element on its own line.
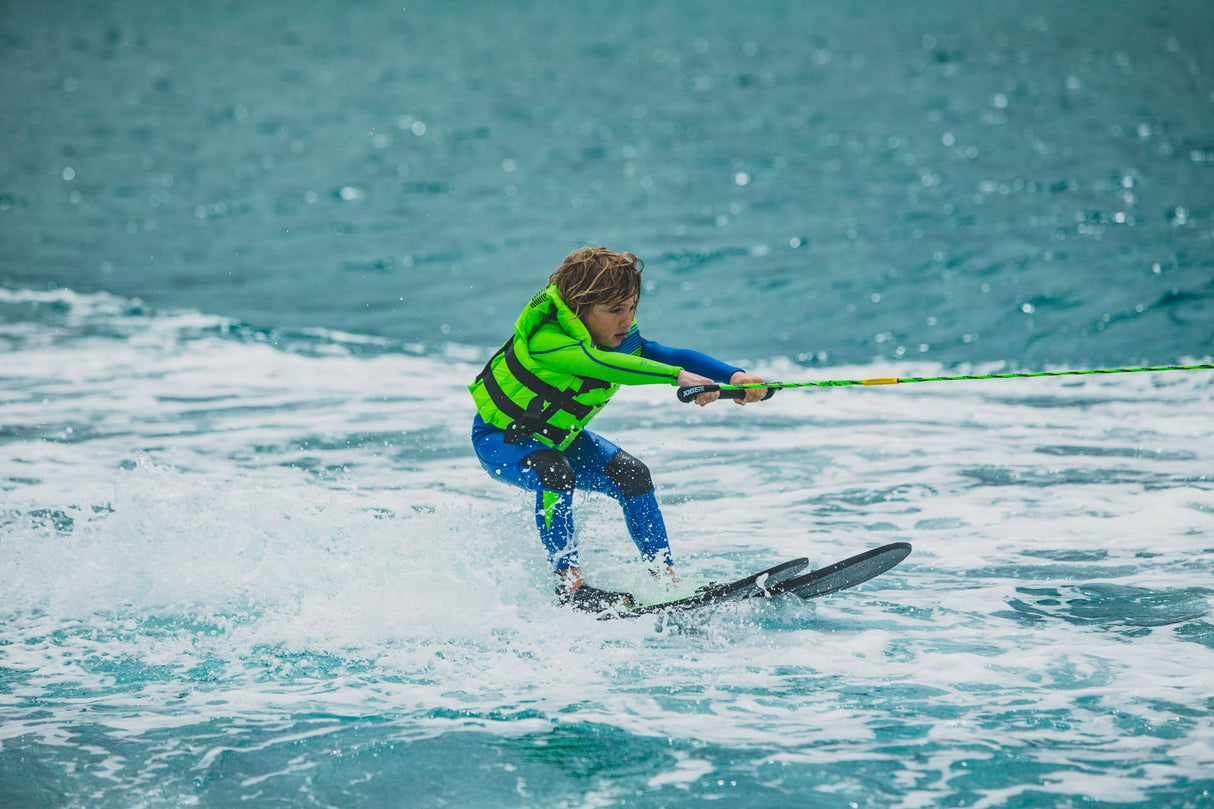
<point>549,380</point>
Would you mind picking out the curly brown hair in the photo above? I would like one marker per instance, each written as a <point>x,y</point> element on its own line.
<point>595,275</point>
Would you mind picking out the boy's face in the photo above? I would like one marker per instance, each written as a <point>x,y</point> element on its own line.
<point>609,323</point>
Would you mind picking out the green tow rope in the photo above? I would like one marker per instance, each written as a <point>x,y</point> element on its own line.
<point>688,393</point>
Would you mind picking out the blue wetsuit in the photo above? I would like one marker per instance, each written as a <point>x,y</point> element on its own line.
<point>591,462</point>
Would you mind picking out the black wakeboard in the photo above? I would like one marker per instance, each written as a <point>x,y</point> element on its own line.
<point>848,573</point>
<point>783,579</point>
<point>756,584</point>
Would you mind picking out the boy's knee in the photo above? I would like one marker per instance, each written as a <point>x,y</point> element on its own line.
<point>630,474</point>
<point>553,470</point>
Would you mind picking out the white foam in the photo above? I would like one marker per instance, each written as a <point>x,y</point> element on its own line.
<point>312,529</point>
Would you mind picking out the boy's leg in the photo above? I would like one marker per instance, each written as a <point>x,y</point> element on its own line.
<point>533,466</point>
<point>640,503</point>
<point>553,505</point>
<point>602,466</point>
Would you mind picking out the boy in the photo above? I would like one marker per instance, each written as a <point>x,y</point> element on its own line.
<point>573,346</point>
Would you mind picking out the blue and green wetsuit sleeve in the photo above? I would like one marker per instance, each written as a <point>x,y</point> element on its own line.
<point>694,361</point>
<point>552,347</point>
<point>636,361</point>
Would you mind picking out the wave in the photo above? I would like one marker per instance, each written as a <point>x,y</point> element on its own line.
<point>38,318</point>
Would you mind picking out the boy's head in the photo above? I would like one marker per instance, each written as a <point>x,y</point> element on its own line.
<point>596,275</point>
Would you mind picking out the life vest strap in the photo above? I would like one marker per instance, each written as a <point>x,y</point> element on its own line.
<point>531,421</point>
<point>561,399</point>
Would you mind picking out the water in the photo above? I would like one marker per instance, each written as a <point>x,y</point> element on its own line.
<point>251,254</point>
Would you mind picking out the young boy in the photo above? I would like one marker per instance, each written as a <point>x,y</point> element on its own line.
<point>573,346</point>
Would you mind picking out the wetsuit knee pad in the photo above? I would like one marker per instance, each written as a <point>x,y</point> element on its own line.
<point>553,469</point>
<point>630,474</point>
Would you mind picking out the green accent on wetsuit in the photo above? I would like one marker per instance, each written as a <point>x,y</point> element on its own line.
<point>549,379</point>
<point>550,500</point>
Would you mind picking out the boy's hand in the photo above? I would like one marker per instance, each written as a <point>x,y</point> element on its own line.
<point>752,394</point>
<point>687,378</point>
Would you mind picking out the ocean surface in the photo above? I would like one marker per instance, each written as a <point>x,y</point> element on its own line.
<point>252,253</point>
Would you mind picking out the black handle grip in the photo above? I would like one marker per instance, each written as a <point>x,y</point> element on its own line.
<point>688,393</point>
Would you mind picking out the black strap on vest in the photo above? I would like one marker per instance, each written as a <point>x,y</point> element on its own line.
<point>496,354</point>
<point>560,399</point>
<point>532,421</point>
<point>548,399</point>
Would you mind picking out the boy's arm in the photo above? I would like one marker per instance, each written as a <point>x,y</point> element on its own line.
<point>702,364</point>
<point>694,361</point>
<point>559,351</point>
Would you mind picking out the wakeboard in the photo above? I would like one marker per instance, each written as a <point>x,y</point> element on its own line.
<point>756,584</point>
<point>785,578</point>
<point>847,573</point>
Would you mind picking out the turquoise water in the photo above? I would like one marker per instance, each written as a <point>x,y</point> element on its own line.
<point>252,253</point>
